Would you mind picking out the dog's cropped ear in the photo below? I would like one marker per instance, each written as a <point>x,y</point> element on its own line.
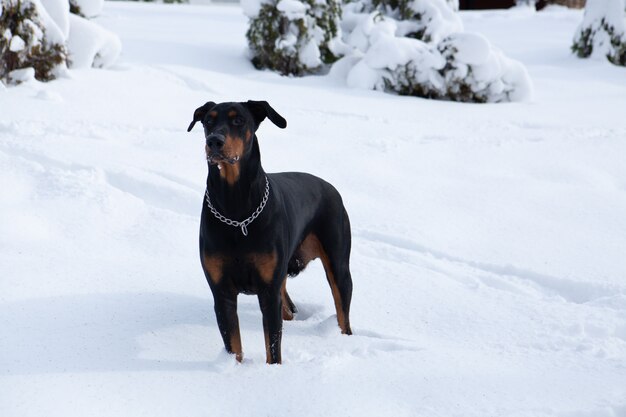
<point>200,113</point>
<point>261,109</point>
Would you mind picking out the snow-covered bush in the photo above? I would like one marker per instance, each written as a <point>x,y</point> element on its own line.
<point>31,45</point>
<point>86,8</point>
<point>426,20</point>
<point>40,38</point>
<point>417,48</point>
<point>291,36</point>
<point>476,71</point>
<point>602,31</point>
<point>90,45</point>
<point>462,67</point>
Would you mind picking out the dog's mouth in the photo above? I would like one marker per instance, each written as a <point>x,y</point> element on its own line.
<point>219,158</point>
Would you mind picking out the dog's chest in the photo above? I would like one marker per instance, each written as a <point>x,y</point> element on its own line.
<point>248,273</point>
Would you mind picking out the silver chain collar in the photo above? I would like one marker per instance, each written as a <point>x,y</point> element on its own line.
<point>242,224</point>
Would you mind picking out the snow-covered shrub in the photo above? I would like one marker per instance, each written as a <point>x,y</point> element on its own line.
<point>90,45</point>
<point>460,67</point>
<point>291,36</point>
<point>426,20</point>
<point>476,71</point>
<point>602,31</point>
<point>40,38</point>
<point>29,38</point>
<point>59,13</point>
<point>86,8</point>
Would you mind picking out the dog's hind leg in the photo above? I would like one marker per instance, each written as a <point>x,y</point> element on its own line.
<point>340,281</point>
<point>334,240</point>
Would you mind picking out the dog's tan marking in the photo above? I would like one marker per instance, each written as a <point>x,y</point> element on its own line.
<point>265,263</point>
<point>235,345</point>
<point>232,113</point>
<point>287,313</point>
<point>233,147</point>
<point>213,113</point>
<point>311,248</point>
<point>248,136</point>
<point>230,173</point>
<point>214,265</point>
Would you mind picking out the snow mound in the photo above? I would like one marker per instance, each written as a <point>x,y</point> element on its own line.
<point>407,58</point>
<point>293,9</point>
<point>434,20</point>
<point>29,39</point>
<point>59,11</point>
<point>39,35</point>
<point>602,33</point>
<point>88,8</point>
<point>293,37</point>
<point>90,45</point>
<point>21,75</point>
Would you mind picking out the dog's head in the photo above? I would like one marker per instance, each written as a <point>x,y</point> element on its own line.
<point>229,128</point>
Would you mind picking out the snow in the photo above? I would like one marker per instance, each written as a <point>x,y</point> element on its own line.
<point>90,45</point>
<point>488,250</point>
<point>17,44</point>
<point>460,66</point>
<point>59,11</point>
<point>90,8</point>
<point>601,16</point>
<point>54,33</point>
<point>251,8</point>
<point>438,19</point>
<point>471,48</point>
<point>293,9</point>
<point>309,55</point>
<point>21,75</point>
<point>612,12</point>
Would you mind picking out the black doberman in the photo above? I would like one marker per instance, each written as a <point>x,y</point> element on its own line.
<point>258,228</point>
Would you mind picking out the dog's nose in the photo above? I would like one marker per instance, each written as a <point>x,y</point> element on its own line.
<point>215,141</point>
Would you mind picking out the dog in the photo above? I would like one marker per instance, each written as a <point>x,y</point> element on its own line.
<point>256,228</point>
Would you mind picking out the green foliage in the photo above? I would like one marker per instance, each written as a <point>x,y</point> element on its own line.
<point>75,8</point>
<point>618,55</point>
<point>403,81</point>
<point>459,88</point>
<point>398,9</point>
<point>584,43</point>
<point>20,18</point>
<point>276,40</point>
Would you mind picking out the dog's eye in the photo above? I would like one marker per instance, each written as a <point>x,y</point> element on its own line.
<point>237,121</point>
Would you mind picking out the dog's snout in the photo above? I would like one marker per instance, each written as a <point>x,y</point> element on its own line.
<point>215,142</point>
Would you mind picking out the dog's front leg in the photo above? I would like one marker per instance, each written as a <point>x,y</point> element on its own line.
<point>228,322</point>
<point>271,308</point>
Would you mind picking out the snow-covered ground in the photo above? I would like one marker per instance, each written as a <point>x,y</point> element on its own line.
<point>489,253</point>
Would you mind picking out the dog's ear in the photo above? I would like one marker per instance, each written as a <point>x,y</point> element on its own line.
<point>200,113</point>
<point>261,109</point>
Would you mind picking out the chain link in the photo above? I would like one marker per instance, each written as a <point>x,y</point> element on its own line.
<point>244,223</point>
